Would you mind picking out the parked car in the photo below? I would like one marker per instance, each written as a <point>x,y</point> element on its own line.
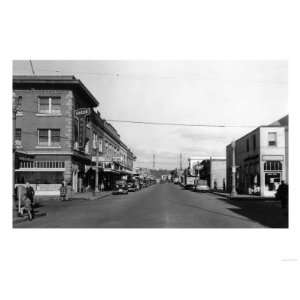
<point>120,187</point>
<point>201,186</point>
<point>132,187</point>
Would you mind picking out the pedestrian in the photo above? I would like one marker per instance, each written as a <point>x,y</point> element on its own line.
<point>63,191</point>
<point>102,186</point>
<point>29,191</point>
<point>283,194</point>
<point>215,185</point>
<point>27,206</point>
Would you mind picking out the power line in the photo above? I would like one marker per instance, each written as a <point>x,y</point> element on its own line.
<point>157,123</point>
<point>146,76</point>
<point>181,124</point>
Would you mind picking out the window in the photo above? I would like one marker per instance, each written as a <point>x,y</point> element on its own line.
<point>55,105</point>
<point>100,145</point>
<point>49,105</point>
<point>43,137</point>
<point>247,145</point>
<point>254,142</point>
<point>55,136</point>
<point>272,138</point>
<point>19,104</point>
<point>48,137</point>
<point>273,165</point>
<point>18,137</point>
<point>94,141</point>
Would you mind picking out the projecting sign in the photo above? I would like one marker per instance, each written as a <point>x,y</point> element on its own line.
<point>82,112</point>
<point>81,115</point>
<point>81,132</point>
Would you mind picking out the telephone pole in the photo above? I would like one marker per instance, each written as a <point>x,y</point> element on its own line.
<point>233,188</point>
<point>97,168</point>
<point>180,161</point>
<point>32,69</point>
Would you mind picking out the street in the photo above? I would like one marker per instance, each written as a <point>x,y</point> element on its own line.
<point>158,206</point>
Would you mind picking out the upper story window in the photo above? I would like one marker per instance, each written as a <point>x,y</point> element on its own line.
<point>18,137</point>
<point>247,145</point>
<point>95,141</point>
<point>48,137</point>
<point>254,142</point>
<point>49,105</point>
<point>272,138</point>
<point>19,104</point>
<point>100,145</point>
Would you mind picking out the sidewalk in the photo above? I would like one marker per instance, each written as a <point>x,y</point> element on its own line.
<point>90,195</point>
<point>244,197</point>
<point>50,204</point>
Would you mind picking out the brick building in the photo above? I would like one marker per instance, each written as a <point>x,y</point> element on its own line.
<point>63,146</point>
<point>261,160</point>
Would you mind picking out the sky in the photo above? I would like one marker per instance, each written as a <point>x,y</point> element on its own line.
<point>239,93</point>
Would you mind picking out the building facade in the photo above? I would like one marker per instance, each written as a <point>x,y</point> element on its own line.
<point>260,161</point>
<point>57,123</point>
<point>211,169</point>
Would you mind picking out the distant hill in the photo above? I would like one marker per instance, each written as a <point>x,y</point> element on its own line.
<point>158,173</point>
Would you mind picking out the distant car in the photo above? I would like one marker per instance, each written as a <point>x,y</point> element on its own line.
<point>176,180</point>
<point>201,187</point>
<point>120,187</point>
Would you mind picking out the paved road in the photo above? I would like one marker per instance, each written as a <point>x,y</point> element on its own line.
<point>158,206</point>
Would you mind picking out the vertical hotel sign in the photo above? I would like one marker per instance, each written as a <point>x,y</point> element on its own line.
<point>81,115</point>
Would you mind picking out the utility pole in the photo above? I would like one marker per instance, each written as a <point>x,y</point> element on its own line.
<point>14,145</point>
<point>32,69</point>
<point>233,188</point>
<point>97,168</point>
<point>180,163</point>
<point>15,110</point>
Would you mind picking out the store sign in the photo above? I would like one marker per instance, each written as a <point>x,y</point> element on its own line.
<point>81,132</point>
<point>82,112</point>
<point>81,115</point>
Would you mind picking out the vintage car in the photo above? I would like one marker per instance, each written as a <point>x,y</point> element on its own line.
<point>120,187</point>
<point>201,186</point>
<point>132,186</point>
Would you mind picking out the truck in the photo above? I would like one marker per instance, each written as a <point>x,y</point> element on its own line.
<point>189,182</point>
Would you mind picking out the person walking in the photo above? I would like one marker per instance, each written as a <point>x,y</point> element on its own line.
<point>29,193</point>
<point>283,194</point>
<point>63,191</point>
<point>26,206</point>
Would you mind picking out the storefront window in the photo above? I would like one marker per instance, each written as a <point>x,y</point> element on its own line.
<point>272,181</point>
<point>273,165</point>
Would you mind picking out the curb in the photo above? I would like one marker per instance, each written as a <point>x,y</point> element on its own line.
<point>266,199</point>
<point>90,199</point>
<point>25,219</point>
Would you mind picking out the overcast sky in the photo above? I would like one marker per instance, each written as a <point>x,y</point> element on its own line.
<point>209,92</point>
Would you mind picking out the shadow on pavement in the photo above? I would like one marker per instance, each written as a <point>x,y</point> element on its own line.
<point>267,213</point>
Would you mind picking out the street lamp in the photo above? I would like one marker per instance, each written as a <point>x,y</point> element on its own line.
<point>233,188</point>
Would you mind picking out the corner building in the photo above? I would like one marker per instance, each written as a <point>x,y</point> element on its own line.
<point>261,160</point>
<point>47,129</point>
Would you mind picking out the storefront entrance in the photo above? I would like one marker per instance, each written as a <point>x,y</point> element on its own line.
<point>272,177</point>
